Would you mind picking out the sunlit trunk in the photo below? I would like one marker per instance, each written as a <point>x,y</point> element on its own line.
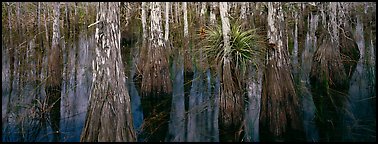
<point>177,12</point>
<point>305,68</point>
<point>109,112</point>
<point>243,14</point>
<point>166,33</point>
<point>213,6</point>
<point>76,16</point>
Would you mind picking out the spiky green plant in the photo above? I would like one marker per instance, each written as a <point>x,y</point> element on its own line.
<point>247,47</point>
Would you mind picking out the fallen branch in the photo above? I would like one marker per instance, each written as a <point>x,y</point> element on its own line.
<point>94,24</point>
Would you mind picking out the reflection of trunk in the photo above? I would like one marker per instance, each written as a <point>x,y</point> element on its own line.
<point>177,116</point>
<point>303,75</point>
<point>136,107</point>
<point>295,49</point>
<point>360,95</point>
<point>196,108</point>
<point>329,79</point>
<point>254,101</point>
<point>280,109</point>
<point>109,112</point>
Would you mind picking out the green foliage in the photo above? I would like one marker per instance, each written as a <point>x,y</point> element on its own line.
<point>246,46</point>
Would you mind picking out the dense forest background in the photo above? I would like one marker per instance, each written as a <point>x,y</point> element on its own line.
<point>188,71</point>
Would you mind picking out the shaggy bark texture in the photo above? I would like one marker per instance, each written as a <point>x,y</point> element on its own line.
<point>109,112</point>
<point>280,118</point>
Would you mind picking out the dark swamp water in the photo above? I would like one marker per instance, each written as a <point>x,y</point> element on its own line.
<point>18,125</point>
<point>27,118</point>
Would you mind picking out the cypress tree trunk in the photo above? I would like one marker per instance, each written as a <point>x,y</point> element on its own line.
<point>156,72</point>
<point>143,49</point>
<point>166,33</point>
<point>54,79</point>
<point>280,118</point>
<point>213,6</point>
<point>156,83</point>
<point>231,100</point>
<point>243,14</point>
<point>109,112</point>
<point>328,78</point>
<point>11,49</point>
<point>187,58</point>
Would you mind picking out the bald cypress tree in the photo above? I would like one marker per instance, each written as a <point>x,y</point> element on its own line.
<point>280,118</point>
<point>109,112</point>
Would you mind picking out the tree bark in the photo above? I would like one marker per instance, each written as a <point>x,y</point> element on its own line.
<point>156,83</point>
<point>156,72</point>
<point>143,49</point>
<point>280,118</point>
<point>295,49</point>
<point>243,14</point>
<point>187,58</point>
<point>54,79</point>
<point>203,9</point>
<point>166,34</point>
<point>109,112</point>
<point>213,7</point>
<point>11,47</point>
<point>231,103</point>
<point>55,69</point>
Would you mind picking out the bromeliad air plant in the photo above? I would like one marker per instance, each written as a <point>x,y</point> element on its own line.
<point>247,47</point>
